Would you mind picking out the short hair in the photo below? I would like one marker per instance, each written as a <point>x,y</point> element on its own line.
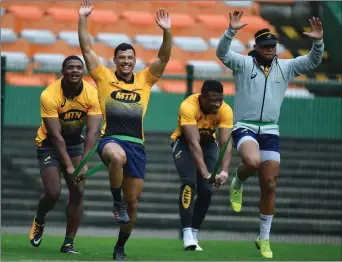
<point>72,57</point>
<point>123,47</point>
<point>261,31</point>
<point>211,86</point>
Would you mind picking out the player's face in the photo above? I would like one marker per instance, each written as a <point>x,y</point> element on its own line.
<point>266,52</point>
<point>125,62</point>
<point>73,71</point>
<point>212,102</point>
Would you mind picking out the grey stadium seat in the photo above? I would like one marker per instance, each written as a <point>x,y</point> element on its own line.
<point>102,60</point>
<point>206,68</point>
<point>237,46</point>
<point>49,62</point>
<point>16,61</point>
<point>42,37</point>
<point>191,44</point>
<point>152,42</point>
<point>8,35</point>
<point>113,40</point>
<point>239,3</point>
<point>71,37</point>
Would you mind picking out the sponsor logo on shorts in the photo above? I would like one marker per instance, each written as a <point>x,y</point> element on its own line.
<point>125,96</point>
<point>186,197</point>
<point>178,155</point>
<point>72,115</point>
<point>47,160</point>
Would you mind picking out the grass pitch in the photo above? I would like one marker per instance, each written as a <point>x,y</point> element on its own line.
<point>18,247</point>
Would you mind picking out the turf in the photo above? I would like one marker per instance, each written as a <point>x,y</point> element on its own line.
<point>17,247</point>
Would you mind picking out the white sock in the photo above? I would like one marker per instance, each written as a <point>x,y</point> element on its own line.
<point>265,226</point>
<point>194,232</point>
<point>238,184</point>
<point>187,233</point>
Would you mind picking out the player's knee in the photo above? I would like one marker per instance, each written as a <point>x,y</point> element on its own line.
<point>76,196</point>
<point>132,204</point>
<point>117,158</point>
<point>252,162</point>
<point>269,185</point>
<point>53,194</point>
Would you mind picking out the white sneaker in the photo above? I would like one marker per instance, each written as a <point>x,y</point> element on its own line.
<point>190,244</point>
<point>198,248</point>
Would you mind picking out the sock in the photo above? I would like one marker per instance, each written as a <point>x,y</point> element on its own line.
<point>265,226</point>
<point>68,240</point>
<point>116,192</point>
<point>187,233</point>
<point>123,237</point>
<point>39,220</point>
<point>238,184</point>
<point>194,232</point>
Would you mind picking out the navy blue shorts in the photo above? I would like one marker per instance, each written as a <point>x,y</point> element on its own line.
<point>268,144</point>
<point>135,156</point>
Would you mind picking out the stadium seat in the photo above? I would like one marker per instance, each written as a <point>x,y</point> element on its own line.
<point>42,37</point>
<point>71,37</point>
<point>169,6</point>
<point>2,11</point>
<point>255,23</point>
<point>138,18</point>
<point>113,40</point>
<point>192,44</point>
<point>25,15</point>
<point>103,50</point>
<point>16,61</point>
<point>149,41</point>
<point>183,25</point>
<point>236,45</point>
<point>156,88</point>
<point>20,45</point>
<point>173,86</point>
<point>213,22</point>
<point>7,35</point>
<point>48,62</point>
<point>63,19</point>
<point>17,79</point>
<point>103,61</point>
<point>206,68</point>
<point>102,21</point>
<point>234,4</point>
<point>172,67</point>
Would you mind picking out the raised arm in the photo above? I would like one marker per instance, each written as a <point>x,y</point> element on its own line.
<point>313,59</point>
<point>91,59</point>
<point>158,65</point>
<point>229,58</point>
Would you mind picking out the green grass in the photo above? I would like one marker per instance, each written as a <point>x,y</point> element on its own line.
<point>18,247</point>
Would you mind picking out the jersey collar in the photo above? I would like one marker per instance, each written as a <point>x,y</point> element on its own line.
<point>131,81</point>
<point>77,94</point>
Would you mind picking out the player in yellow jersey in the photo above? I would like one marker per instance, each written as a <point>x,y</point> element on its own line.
<point>124,97</point>
<point>67,105</point>
<point>195,152</point>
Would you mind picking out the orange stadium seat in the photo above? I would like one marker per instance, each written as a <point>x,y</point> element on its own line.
<point>255,23</point>
<point>172,67</point>
<point>131,22</point>
<point>103,21</point>
<point>63,19</point>
<point>139,18</point>
<point>213,22</point>
<point>20,45</point>
<point>24,15</point>
<point>173,86</point>
<point>18,79</point>
<point>169,6</point>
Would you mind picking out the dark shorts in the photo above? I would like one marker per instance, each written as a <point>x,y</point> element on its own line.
<point>49,157</point>
<point>135,156</point>
<point>186,166</point>
<point>268,144</point>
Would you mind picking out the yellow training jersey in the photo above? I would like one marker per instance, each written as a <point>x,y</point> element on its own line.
<point>123,103</point>
<point>71,112</point>
<point>190,114</point>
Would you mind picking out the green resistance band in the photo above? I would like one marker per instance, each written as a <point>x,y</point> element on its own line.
<point>92,171</point>
<point>219,161</point>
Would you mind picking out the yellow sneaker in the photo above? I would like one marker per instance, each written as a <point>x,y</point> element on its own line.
<point>264,246</point>
<point>235,197</point>
<point>36,233</point>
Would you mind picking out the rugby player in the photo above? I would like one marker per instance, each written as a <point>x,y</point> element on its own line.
<point>67,105</point>
<point>195,152</point>
<point>261,79</point>
<point>124,96</point>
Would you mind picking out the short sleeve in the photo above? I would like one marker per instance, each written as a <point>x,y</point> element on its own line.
<point>225,117</point>
<point>187,114</point>
<point>99,73</point>
<point>149,78</point>
<point>48,105</point>
<point>94,105</point>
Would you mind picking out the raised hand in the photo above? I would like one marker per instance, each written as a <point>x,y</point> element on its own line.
<point>163,20</point>
<point>85,8</point>
<point>316,29</point>
<point>235,20</point>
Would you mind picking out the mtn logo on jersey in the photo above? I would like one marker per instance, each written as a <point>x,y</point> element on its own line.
<point>72,115</point>
<point>125,96</point>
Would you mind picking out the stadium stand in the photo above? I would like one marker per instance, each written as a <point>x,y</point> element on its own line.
<point>51,28</point>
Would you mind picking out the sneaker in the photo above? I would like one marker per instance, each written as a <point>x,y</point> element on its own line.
<point>198,248</point>
<point>190,244</point>
<point>69,249</point>
<point>36,233</point>
<point>264,247</point>
<point>235,197</point>
<point>120,213</point>
<point>119,253</point>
